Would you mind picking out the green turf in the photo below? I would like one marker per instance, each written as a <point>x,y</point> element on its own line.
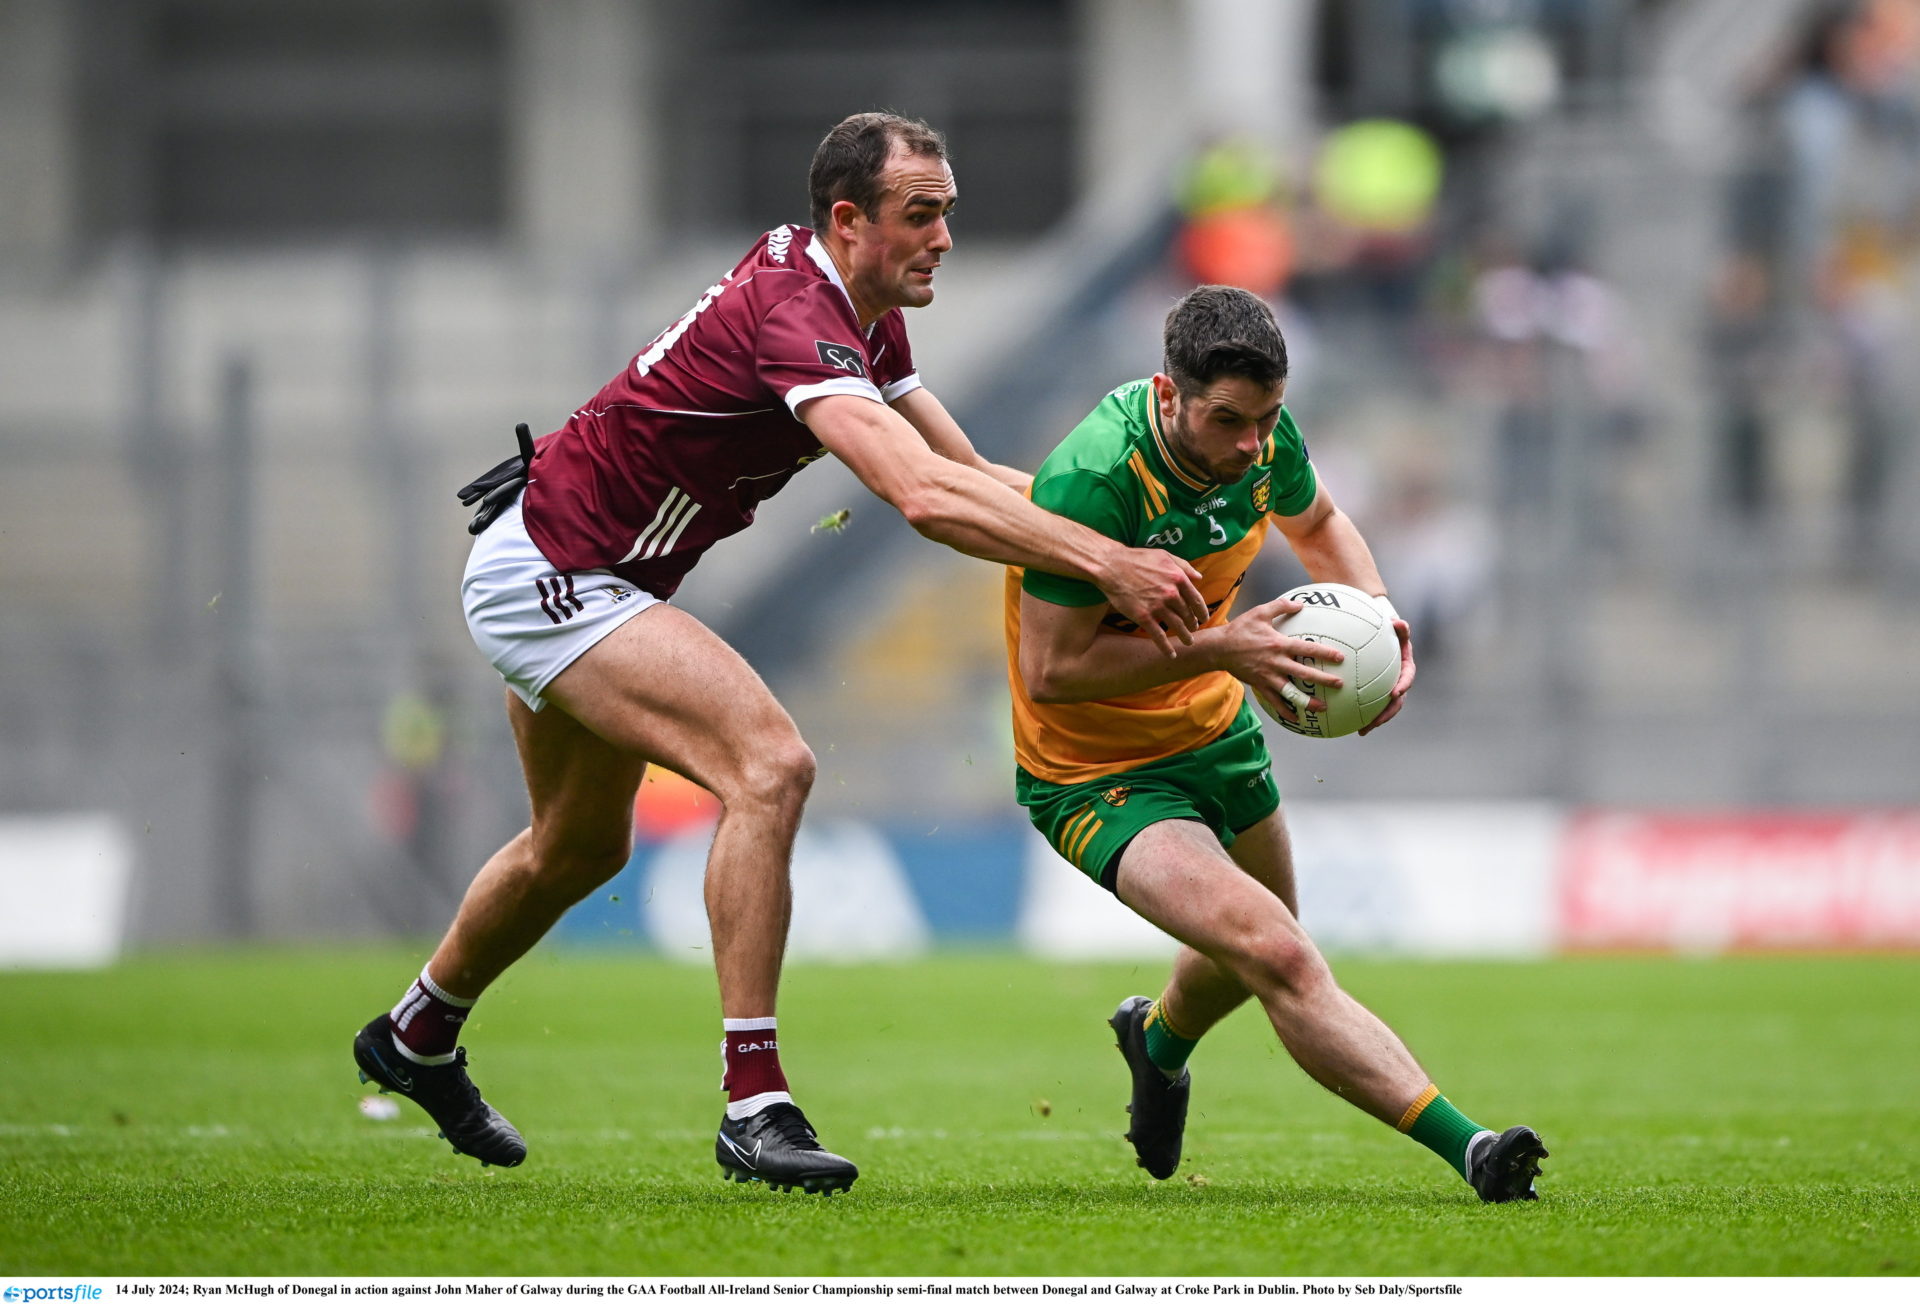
<point>197,1114</point>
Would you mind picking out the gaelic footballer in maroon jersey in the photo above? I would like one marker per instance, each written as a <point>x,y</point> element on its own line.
<point>611,679</point>
<point>679,449</point>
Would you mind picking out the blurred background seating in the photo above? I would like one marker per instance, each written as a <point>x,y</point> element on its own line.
<point>1601,313</point>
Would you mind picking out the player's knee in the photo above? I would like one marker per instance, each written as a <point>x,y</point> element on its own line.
<point>779,775</point>
<point>1273,959</point>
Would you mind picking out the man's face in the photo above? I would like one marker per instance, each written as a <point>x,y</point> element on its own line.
<point>1221,430</point>
<point>892,257</point>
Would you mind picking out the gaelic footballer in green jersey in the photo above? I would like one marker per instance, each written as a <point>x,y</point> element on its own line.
<point>1151,776</point>
<point>1116,473</point>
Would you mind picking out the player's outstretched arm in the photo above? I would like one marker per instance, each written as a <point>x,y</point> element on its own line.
<point>944,436</point>
<point>1330,547</point>
<point>955,504</point>
<point>1067,655</point>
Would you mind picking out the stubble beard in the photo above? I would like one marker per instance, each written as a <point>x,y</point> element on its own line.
<point>1182,442</point>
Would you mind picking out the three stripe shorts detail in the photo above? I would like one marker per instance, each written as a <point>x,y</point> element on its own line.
<point>530,621</point>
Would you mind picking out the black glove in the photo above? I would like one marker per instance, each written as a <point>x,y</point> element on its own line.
<point>500,486</point>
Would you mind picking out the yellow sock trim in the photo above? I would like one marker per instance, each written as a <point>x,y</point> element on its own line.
<point>1420,1102</point>
<point>1157,1012</point>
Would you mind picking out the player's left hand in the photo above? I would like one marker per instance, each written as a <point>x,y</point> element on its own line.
<point>499,486</point>
<point>1400,685</point>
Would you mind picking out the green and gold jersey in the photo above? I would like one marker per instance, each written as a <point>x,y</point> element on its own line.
<point>1114,474</point>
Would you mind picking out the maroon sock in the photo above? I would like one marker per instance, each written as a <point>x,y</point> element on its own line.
<point>426,1022</point>
<point>751,1048</point>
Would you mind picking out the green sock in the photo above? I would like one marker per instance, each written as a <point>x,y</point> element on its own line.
<point>1166,1048</point>
<point>1436,1124</point>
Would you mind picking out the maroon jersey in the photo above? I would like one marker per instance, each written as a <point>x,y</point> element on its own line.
<point>680,448</point>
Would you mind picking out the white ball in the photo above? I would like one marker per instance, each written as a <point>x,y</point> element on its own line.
<point>1355,623</point>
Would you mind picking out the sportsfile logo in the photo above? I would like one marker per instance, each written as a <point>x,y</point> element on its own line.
<point>29,1294</point>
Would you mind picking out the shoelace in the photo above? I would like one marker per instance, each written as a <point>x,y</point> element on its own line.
<point>463,1085</point>
<point>792,1127</point>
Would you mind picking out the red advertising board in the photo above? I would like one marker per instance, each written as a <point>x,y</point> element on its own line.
<point>1764,881</point>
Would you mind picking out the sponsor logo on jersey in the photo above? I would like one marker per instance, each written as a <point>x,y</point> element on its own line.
<point>1213,506</point>
<point>843,356</point>
<point>1263,493</point>
<point>1166,538</point>
<point>778,241</point>
<point>1118,794</point>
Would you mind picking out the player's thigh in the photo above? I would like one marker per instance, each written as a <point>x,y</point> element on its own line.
<point>663,687</point>
<point>1091,823</point>
<point>1177,876</point>
<point>1266,852</point>
<point>580,786</point>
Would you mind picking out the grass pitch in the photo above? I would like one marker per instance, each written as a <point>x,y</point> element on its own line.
<point>197,1114</point>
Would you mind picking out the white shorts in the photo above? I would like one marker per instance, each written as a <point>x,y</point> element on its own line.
<point>531,621</point>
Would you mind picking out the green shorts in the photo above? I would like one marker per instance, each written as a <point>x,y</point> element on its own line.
<point>1227,785</point>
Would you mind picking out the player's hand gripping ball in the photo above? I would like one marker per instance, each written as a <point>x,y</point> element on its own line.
<point>1355,623</point>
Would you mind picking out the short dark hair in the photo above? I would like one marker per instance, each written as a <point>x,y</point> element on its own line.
<point>848,163</point>
<point>1221,330</point>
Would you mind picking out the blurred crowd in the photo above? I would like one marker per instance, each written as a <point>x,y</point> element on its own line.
<point>1812,303</point>
<point>1389,241</point>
